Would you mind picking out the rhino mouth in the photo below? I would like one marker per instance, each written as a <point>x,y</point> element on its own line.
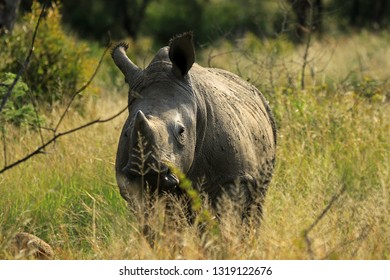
<point>164,180</point>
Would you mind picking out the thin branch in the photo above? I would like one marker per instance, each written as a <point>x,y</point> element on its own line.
<point>48,128</point>
<point>330,59</point>
<point>83,87</point>
<point>307,47</point>
<point>319,218</point>
<point>36,114</point>
<point>59,135</point>
<point>4,144</point>
<point>360,238</point>
<point>211,57</point>
<point>26,62</point>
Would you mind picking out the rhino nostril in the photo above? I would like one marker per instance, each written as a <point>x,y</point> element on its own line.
<point>171,179</point>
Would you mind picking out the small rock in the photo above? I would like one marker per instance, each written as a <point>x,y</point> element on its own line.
<point>28,245</point>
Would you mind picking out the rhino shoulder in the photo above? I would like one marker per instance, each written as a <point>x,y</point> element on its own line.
<point>217,82</point>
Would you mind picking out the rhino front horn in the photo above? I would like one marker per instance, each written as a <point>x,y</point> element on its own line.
<point>142,126</point>
<point>127,67</point>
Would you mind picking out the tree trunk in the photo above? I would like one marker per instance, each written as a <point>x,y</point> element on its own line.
<point>8,13</point>
<point>133,14</point>
<point>302,8</point>
<point>318,7</point>
<point>379,12</point>
<point>354,15</point>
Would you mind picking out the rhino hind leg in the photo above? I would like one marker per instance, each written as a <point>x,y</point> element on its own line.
<point>241,197</point>
<point>255,191</point>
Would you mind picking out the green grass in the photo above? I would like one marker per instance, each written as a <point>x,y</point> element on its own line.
<point>332,136</point>
<point>327,144</point>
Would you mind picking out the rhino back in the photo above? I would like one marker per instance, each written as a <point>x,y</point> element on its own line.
<point>240,134</point>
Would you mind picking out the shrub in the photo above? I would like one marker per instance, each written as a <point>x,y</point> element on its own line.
<point>18,110</point>
<point>58,65</point>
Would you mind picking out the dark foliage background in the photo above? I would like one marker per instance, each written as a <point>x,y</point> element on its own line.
<point>211,19</point>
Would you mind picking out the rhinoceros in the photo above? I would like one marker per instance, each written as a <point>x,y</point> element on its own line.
<point>209,123</point>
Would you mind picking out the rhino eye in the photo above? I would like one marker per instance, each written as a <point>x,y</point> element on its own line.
<point>180,133</point>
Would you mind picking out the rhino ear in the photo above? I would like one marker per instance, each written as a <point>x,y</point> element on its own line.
<point>182,54</point>
<point>127,67</point>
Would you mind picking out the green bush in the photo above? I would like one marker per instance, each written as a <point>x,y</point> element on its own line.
<point>17,110</point>
<point>211,19</point>
<point>167,18</point>
<point>59,64</point>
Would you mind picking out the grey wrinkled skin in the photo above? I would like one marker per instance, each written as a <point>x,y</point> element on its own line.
<point>209,123</point>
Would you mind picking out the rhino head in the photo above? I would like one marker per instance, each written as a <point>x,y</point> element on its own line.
<point>160,130</point>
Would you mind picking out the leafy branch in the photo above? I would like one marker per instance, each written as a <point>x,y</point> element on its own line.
<point>26,61</point>
<point>56,135</point>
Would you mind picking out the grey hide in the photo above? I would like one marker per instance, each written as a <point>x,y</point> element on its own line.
<point>209,123</point>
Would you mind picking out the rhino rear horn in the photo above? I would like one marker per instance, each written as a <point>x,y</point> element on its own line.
<point>182,54</point>
<point>127,67</point>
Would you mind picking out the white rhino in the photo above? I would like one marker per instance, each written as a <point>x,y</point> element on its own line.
<point>215,127</point>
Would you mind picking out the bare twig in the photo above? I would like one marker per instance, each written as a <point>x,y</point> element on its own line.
<point>319,218</point>
<point>307,47</point>
<point>285,12</point>
<point>59,135</point>
<point>360,238</point>
<point>211,57</point>
<point>4,144</point>
<point>83,87</point>
<point>26,61</point>
<point>36,114</point>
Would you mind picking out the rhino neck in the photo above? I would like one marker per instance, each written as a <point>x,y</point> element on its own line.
<point>203,111</point>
